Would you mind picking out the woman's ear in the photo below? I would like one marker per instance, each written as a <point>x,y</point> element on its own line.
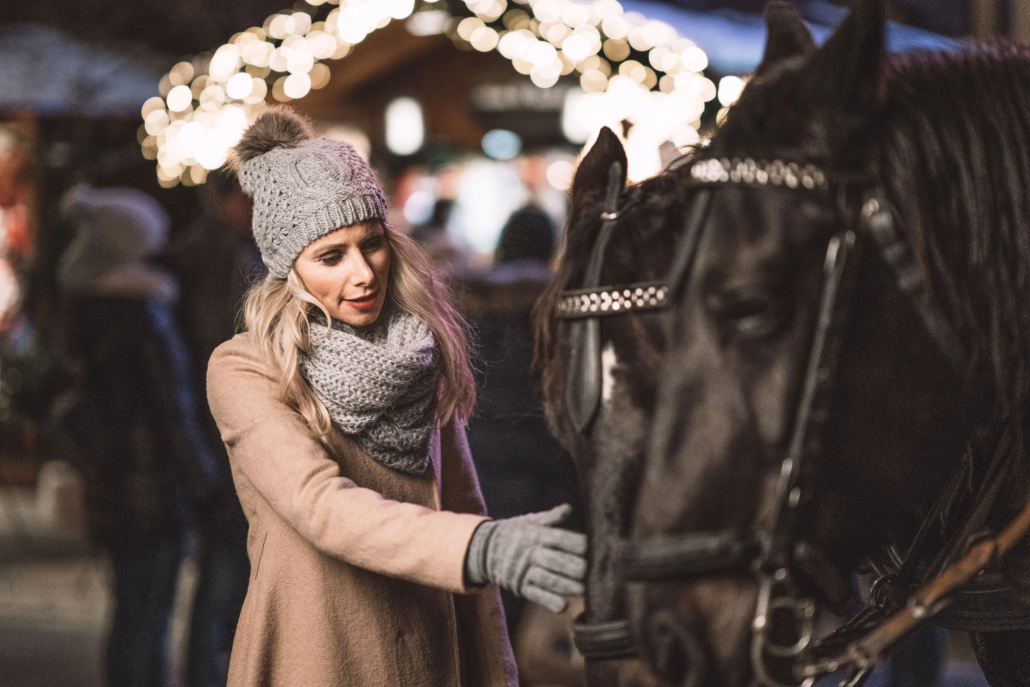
<point>591,180</point>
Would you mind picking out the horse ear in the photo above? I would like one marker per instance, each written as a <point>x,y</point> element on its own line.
<point>787,35</point>
<point>846,73</point>
<point>592,175</point>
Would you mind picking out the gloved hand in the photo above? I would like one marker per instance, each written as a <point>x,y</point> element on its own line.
<point>530,557</point>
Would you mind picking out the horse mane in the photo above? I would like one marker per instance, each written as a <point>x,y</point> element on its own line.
<point>955,161</point>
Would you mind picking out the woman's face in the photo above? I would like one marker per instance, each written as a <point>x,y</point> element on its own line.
<point>347,272</point>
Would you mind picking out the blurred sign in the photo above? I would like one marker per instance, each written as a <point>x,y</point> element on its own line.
<point>535,114</point>
<point>519,96</point>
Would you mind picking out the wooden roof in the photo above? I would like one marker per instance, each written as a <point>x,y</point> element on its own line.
<point>390,63</point>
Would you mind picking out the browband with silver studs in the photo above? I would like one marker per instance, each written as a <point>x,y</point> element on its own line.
<point>591,302</point>
<point>761,173</point>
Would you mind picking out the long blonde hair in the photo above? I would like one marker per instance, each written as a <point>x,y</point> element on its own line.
<point>276,312</point>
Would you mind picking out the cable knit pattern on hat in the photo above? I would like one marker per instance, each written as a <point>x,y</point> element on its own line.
<point>303,193</point>
<point>379,385</point>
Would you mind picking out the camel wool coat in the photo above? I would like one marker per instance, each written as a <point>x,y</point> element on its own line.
<point>357,570</point>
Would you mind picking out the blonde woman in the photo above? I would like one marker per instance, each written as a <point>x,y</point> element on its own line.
<point>342,407</point>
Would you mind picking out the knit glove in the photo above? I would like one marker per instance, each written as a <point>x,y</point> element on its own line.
<point>530,557</point>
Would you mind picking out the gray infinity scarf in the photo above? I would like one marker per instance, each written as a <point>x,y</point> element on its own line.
<point>379,385</point>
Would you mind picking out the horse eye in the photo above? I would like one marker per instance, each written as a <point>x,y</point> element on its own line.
<point>749,312</point>
<point>748,307</point>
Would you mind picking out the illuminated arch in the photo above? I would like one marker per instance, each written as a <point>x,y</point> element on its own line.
<point>206,103</point>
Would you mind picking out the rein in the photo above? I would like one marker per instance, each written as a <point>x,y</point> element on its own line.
<point>773,553</point>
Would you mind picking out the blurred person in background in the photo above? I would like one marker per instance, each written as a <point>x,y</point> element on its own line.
<point>144,456</point>
<point>216,260</point>
<point>445,253</point>
<point>449,255</point>
<point>522,468</point>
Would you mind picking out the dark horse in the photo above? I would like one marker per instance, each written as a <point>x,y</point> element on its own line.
<point>845,386</point>
<point>610,449</point>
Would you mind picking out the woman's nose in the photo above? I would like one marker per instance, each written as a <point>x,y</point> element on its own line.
<point>361,271</point>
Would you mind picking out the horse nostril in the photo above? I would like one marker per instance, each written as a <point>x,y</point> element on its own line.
<point>677,656</point>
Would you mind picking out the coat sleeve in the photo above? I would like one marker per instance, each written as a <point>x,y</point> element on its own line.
<point>270,445</point>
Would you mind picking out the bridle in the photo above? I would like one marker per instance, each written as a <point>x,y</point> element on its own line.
<point>772,553</point>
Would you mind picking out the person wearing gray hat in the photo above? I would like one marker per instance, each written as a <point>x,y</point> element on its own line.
<point>342,405</point>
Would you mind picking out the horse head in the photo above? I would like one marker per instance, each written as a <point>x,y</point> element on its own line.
<point>598,376</point>
<point>833,369</point>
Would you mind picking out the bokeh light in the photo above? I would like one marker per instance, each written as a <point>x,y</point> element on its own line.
<point>730,88</point>
<point>654,98</point>
<point>501,144</point>
<point>405,130</point>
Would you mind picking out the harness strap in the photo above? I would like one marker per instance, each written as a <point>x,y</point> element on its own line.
<point>583,392</point>
<point>677,278</point>
<point>864,654</point>
<point>603,641</point>
<point>878,218</point>
<point>813,409</point>
<point>658,558</point>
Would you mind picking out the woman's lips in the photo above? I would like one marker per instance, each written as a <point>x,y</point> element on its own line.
<point>365,303</point>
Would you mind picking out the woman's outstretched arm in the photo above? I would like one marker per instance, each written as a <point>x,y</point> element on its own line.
<point>271,447</point>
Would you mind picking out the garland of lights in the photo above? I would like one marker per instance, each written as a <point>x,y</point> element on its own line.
<point>205,105</point>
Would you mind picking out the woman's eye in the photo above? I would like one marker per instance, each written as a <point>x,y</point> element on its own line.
<point>330,260</point>
<point>372,246</point>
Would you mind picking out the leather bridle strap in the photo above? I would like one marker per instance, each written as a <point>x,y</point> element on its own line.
<point>660,558</point>
<point>587,304</point>
<point>813,408</point>
<point>677,277</point>
<point>879,220</point>
<point>603,641</point>
<point>583,392</point>
<point>599,301</point>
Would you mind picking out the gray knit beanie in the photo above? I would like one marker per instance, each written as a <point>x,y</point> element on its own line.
<point>302,188</point>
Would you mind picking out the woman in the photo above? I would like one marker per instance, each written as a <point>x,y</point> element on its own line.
<point>342,407</point>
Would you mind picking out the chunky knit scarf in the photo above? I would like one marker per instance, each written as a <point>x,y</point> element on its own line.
<point>379,385</point>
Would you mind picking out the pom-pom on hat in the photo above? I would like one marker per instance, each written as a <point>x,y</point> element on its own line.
<point>303,188</point>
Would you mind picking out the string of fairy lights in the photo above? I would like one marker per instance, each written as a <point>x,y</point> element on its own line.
<point>637,75</point>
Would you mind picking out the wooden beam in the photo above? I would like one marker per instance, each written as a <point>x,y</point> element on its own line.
<point>379,56</point>
<point>1021,21</point>
<point>984,16</point>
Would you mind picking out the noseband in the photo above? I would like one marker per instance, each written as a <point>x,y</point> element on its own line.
<point>773,553</point>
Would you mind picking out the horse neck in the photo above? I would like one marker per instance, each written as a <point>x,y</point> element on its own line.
<point>954,159</point>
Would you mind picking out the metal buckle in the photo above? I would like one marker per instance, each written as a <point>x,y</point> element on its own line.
<point>777,594</point>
